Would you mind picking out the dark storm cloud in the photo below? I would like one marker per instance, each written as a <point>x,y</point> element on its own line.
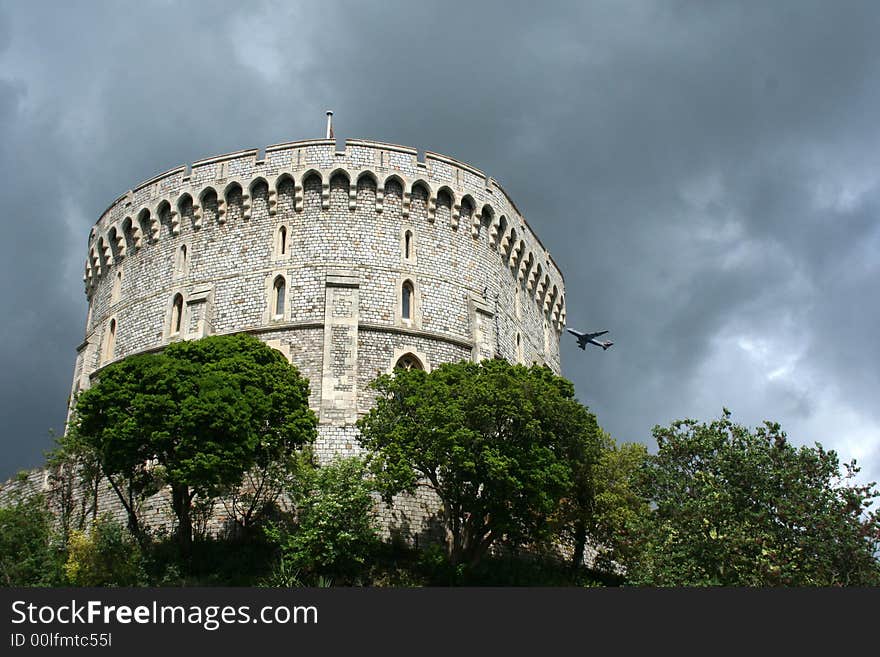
<point>705,176</point>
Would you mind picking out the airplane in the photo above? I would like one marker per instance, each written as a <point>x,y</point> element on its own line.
<point>584,338</point>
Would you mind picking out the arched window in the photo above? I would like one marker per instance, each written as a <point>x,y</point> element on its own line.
<point>409,362</point>
<point>282,240</point>
<point>176,314</point>
<point>110,344</point>
<point>117,288</point>
<point>180,265</point>
<point>279,293</point>
<point>406,301</point>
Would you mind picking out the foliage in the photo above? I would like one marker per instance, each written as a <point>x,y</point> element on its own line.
<point>212,562</point>
<point>196,417</point>
<point>494,441</point>
<point>334,534</point>
<point>257,499</point>
<point>30,552</point>
<point>105,555</point>
<point>75,479</point>
<point>617,505</point>
<point>737,508</point>
<point>591,511</point>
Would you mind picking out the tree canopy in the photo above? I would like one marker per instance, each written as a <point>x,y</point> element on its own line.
<point>741,508</point>
<point>496,442</point>
<point>196,417</point>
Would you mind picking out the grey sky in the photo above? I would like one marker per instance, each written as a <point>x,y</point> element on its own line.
<point>706,176</point>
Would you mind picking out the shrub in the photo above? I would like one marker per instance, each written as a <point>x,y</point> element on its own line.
<point>106,555</point>
<point>334,534</point>
<point>30,551</point>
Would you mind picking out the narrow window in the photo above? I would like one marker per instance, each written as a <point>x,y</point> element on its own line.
<point>181,260</point>
<point>406,301</point>
<point>110,346</point>
<point>117,288</point>
<point>282,240</point>
<point>280,293</point>
<point>407,245</point>
<point>176,314</point>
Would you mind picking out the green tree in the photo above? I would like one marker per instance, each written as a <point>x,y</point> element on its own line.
<point>605,501</point>
<point>618,507</point>
<point>30,550</point>
<point>195,417</point>
<point>75,480</point>
<point>334,534</point>
<point>739,508</point>
<point>492,440</point>
<point>263,486</point>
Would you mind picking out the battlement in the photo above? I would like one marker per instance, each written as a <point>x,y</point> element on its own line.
<point>476,203</point>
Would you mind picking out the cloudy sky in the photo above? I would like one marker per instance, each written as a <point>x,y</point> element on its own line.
<point>707,177</point>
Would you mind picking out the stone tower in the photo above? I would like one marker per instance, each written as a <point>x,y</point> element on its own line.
<point>348,262</point>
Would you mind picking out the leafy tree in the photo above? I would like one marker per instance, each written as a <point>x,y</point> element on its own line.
<point>605,501</point>
<point>492,440</point>
<point>334,535</point>
<point>617,506</point>
<point>263,486</point>
<point>195,417</point>
<point>737,508</point>
<point>30,551</point>
<point>75,480</point>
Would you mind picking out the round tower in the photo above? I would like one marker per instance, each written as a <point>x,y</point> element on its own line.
<point>349,262</point>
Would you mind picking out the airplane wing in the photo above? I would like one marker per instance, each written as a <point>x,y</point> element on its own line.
<point>590,336</point>
<point>573,332</point>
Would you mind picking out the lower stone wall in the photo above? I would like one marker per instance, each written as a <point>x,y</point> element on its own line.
<point>411,518</point>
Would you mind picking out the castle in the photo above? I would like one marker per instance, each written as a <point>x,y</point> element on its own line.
<point>349,262</point>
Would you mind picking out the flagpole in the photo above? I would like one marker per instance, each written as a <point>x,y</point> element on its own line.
<point>329,124</point>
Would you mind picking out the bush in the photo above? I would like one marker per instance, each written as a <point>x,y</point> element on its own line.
<point>30,551</point>
<point>334,534</point>
<point>106,555</point>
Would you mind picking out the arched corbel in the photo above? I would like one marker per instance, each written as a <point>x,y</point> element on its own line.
<point>197,211</point>
<point>221,209</point>
<point>352,194</point>
<point>514,255</point>
<point>298,196</point>
<point>476,220</point>
<point>405,202</point>
<point>380,197</point>
<point>121,246</point>
<point>494,228</point>
<point>432,206</point>
<point>325,192</point>
<point>155,225</point>
<point>505,239</point>
<point>245,203</point>
<point>273,199</point>
<point>96,262</point>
